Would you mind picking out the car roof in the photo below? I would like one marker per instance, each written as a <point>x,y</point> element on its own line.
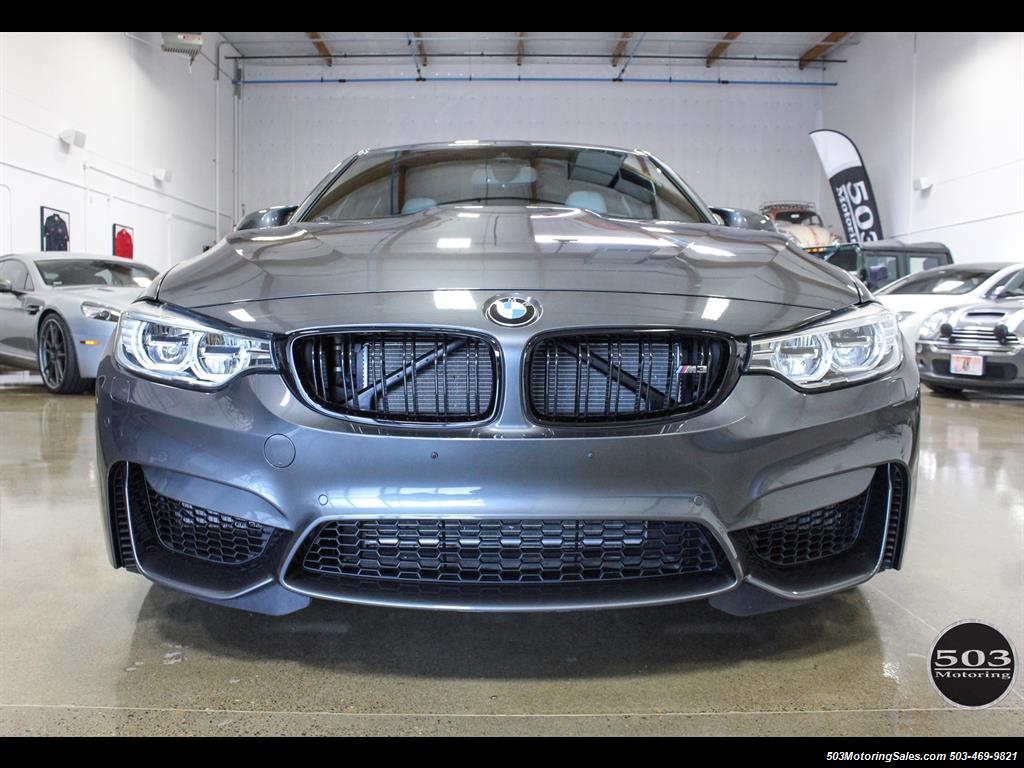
<point>894,243</point>
<point>472,143</point>
<point>64,256</point>
<point>994,266</point>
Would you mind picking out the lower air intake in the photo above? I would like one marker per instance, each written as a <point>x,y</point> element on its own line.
<point>118,503</point>
<point>811,536</point>
<point>510,551</point>
<point>186,529</point>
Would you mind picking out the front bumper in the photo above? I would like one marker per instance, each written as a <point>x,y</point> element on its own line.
<point>1003,369</point>
<point>252,451</point>
<point>90,338</point>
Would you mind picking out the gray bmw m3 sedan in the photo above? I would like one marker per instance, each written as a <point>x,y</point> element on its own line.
<point>506,376</point>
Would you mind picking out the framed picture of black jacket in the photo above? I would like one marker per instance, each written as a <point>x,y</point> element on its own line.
<point>54,229</point>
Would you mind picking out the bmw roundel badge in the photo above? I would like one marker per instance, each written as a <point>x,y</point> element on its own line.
<point>512,310</point>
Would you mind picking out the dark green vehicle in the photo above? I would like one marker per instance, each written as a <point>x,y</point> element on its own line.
<point>878,264</point>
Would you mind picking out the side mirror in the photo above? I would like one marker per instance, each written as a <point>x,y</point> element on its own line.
<point>719,219</point>
<point>277,217</point>
<point>995,293</point>
<point>5,286</point>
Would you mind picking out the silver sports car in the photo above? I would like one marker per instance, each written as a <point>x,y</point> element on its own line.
<point>506,376</point>
<point>58,310</point>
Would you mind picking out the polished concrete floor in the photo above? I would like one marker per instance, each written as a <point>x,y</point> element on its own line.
<point>88,650</point>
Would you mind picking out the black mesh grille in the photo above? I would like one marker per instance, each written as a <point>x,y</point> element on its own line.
<point>119,518</point>
<point>217,538</point>
<point>442,378</point>
<point>510,551</point>
<point>588,379</point>
<point>811,536</point>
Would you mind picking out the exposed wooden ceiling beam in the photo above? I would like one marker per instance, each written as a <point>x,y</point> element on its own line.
<point>421,47</point>
<point>823,47</point>
<point>721,47</point>
<point>321,47</point>
<point>521,49</point>
<point>620,48</point>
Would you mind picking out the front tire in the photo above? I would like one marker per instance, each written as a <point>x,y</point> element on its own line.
<point>58,363</point>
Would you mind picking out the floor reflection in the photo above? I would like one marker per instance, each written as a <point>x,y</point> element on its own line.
<point>348,638</point>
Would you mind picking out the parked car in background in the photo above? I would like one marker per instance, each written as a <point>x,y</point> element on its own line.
<point>883,262</point>
<point>58,310</point>
<point>506,376</point>
<point>914,297</point>
<point>274,216</point>
<point>744,219</point>
<point>978,346</point>
<point>801,223</point>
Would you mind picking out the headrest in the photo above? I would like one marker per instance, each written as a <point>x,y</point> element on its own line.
<point>592,201</point>
<point>416,204</point>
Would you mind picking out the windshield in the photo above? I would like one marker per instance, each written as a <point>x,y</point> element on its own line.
<point>798,217</point>
<point>1014,287</point>
<point>623,184</point>
<point>941,281</point>
<point>58,273</point>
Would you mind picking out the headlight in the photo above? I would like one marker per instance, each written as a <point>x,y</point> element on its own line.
<point>100,311</point>
<point>168,346</point>
<point>857,346</point>
<point>930,327</point>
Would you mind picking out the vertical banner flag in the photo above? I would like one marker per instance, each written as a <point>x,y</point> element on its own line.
<point>850,185</point>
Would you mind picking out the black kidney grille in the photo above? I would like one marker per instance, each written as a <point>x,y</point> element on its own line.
<point>202,533</point>
<point>811,536</point>
<point>442,378</point>
<point>510,551</point>
<point>590,379</point>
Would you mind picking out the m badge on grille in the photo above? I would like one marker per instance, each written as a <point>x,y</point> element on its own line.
<point>684,369</point>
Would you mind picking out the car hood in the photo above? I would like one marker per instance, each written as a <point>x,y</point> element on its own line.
<point>919,302</point>
<point>506,249</point>
<point>116,296</point>
<point>1008,312</point>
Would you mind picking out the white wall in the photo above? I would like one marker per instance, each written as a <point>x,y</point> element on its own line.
<point>737,145</point>
<point>140,109</point>
<point>949,106</point>
<point>945,105</point>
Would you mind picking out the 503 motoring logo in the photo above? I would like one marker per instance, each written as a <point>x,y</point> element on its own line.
<point>972,665</point>
<point>856,203</point>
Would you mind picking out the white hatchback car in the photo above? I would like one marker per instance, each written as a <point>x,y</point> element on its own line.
<point>917,296</point>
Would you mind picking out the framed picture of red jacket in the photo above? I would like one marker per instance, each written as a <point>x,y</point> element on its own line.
<point>54,229</point>
<point>124,241</point>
